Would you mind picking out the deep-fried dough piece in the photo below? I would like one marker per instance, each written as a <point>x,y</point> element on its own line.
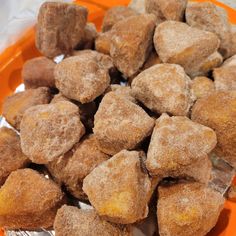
<point>119,188</point>
<point>120,124</point>
<point>166,10</point>
<point>83,77</point>
<point>132,42</point>
<point>48,131</point>
<point>138,6</point>
<point>74,166</point>
<point>28,201</point>
<point>233,39</point>
<point>60,28</point>
<point>152,60</point>
<point>11,157</point>
<point>202,86</point>
<point>86,110</point>
<point>188,209</point>
<point>71,221</point>
<point>90,34</point>
<point>207,16</point>
<point>38,72</point>
<point>164,88</point>
<point>207,65</point>
<point>178,43</point>
<point>103,42</point>
<point>218,112</point>
<point>179,148</point>
<point>15,105</point>
<point>225,76</point>
<point>114,15</point>
<point>123,91</point>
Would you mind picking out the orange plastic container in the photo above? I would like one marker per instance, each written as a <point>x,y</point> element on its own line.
<point>13,58</point>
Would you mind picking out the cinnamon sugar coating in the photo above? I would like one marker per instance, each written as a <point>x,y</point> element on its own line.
<point>29,201</point>
<point>119,188</point>
<point>120,124</point>
<point>179,148</point>
<point>15,105</point>
<point>11,157</point>
<point>132,42</point>
<point>85,76</point>
<point>188,209</point>
<point>60,28</point>
<point>48,131</point>
<point>164,88</point>
<point>71,168</point>
<point>71,221</point>
<point>178,43</point>
<point>218,112</point>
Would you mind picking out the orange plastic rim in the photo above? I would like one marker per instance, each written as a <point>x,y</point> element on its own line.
<point>13,58</point>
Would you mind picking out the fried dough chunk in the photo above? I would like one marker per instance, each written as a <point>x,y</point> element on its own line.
<point>207,16</point>
<point>179,148</point>
<point>38,72</point>
<point>29,201</point>
<point>48,131</point>
<point>207,65</point>
<point>178,43</point>
<point>15,105</point>
<point>225,76</point>
<point>202,86</point>
<point>188,209</point>
<point>120,124</point>
<point>152,60</point>
<point>74,166</point>
<point>166,10</point>
<point>11,157</point>
<point>233,39</point>
<point>164,88</point>
<point>83,77</point>
<point>119,188</point>
<point>90,34</point>
<point>132,42</point>
<point>218,112</point>
<point>114,15</point>
<point>103,42</point>
<point>60,28</point>
<point>138,6</point>
<point>71,221</point>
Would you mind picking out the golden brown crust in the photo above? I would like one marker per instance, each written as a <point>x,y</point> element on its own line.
<point>15,105</point>
<point>103,42</point>
<point>207,16</point>
<point>225,76</point>
<point>166,10</point>
<point>218,112</point>
<point>71,221</point>
<point>202,86</point>
<point>179,148</point>
<point>188,209</point>
<point>152,60</point>
<point>83,77</point>
<point>118,189</point>
<point>60,28</point>
<point>28,201</point>
<point>75,165</point>
<point>120,124</point>
<point>114,15</point>
<point>48,131</point>
<point>38,72</point>
<point>132,42</point>
<point>164,88</point>
<point>178,43</point>
<point>11,157</point>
